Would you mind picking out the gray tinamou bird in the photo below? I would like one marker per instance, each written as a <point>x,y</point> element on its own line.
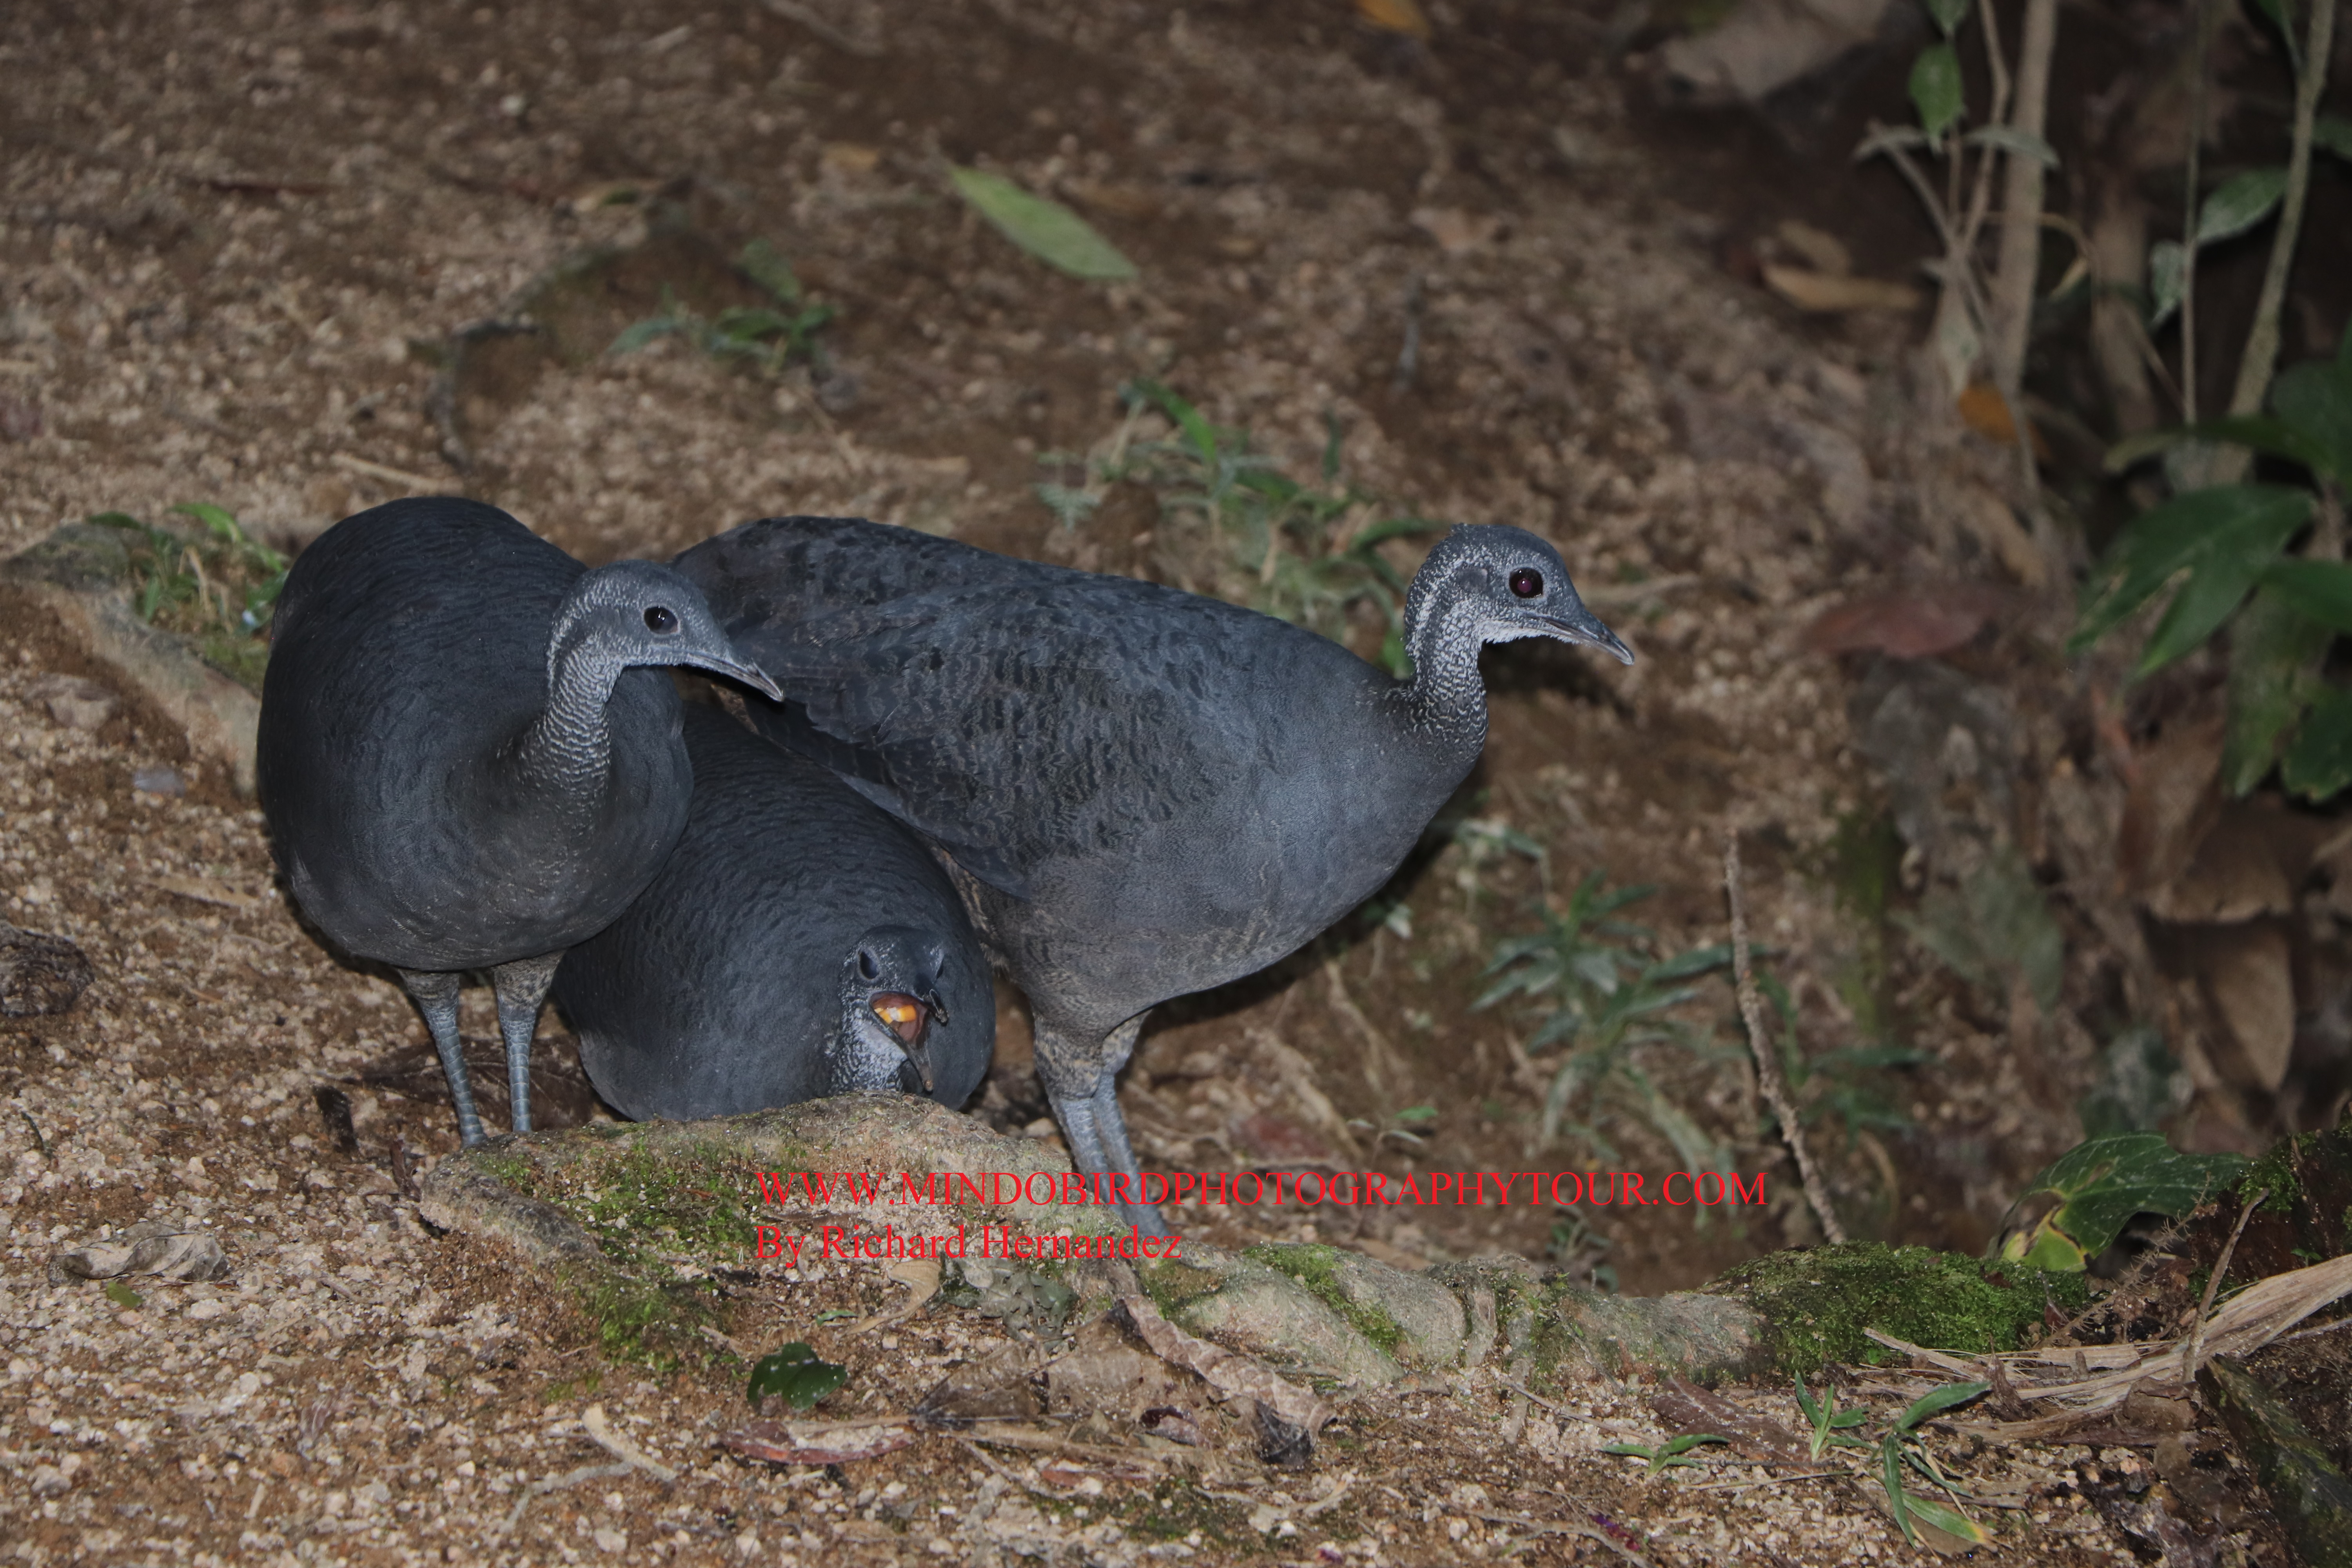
<point>798,942</point>
<point>464,760</point>
<point>1146,793</point>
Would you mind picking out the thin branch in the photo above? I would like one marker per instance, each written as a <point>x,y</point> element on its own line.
<point>2019,267</point>
<point>2261,356</point>
<point>2207,23</point>
<point>2213,1284</point>
<point>1767,1066</point>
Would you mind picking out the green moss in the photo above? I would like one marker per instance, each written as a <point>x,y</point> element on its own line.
<point>1317,1268</point>
<point>1174,1509</point>
<point>2279,1173</point>
<point>641,1321</point>
<point>1815,1304</point>
<point>1171,1284</point>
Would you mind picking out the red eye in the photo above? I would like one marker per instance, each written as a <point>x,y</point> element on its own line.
<point>1527,583</point>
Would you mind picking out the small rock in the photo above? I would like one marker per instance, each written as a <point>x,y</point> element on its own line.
<point>159,781</point>
<point>613,1540</point>
<point>48,1480</point>
<point>76,703</point>
<point>39,975</point>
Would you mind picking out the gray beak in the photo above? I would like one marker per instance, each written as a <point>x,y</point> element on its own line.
<point>751,675</point>
<point>1579,625</point>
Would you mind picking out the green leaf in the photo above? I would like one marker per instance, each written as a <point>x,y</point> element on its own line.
<point>1697,961</point>
<point>2237,528</point>
<point>2283,19</point>
<point>1936,89</point>
<point>2313,400</point>
<point>2239,203</point>
<point>123,1295</point>
<point>1890,1476</point>
<point>796,1376</point>
<point>1949,1522</point>
<point>2319,763</point>
<point>222,523</point>
<point>2167,277</point>
<point>1936,1401</point>
<point>1394,528</point>
<point>765,265</point>
<point>2009,139</point>
<point>2101,1183</point>
<point>2275,649</point>
<point>2263,431</point>
<point>637,334</point>
<point>1949,14</point>
<point>1045,230</point>
<point>2333,134</point>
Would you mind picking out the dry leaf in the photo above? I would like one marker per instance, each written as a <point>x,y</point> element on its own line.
<point>1684,1407</point>
<point>2175,799</point>
<point>1910,623</point>
<point>1822,251</point>
<point>2235,875</point>
<point>1986,412</point>
<point>850,157</point>
<point>1824,294</point>
<point>1119,200</point>
<point>1233,1376</point>
<point>621,1446</point>
<point>779,1443</point>
<point>205,893</point>
<point>1997,528</point>
<point>2250,981</point>
<point>1456,229</point>
<point>1404,16</point>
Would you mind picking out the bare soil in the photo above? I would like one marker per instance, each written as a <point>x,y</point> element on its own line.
<point>234,244</point>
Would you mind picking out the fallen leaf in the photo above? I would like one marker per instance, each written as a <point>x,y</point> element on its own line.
<point>778,1442</point>
<point>1456,229</point>
<point>2234,875</point>
<point>1232,1374</point>
<point>1995,527</point>
<point>2175,799</point>
<point>1119,200</point>
<point>1045,230</point>
<point>1822,251</point>
<point>1684,1407</point>
<point>166,1251</point>
<point>76,703</point>
<point>850,157</point>
<point>1986,412</point>
<point>2249,980</point>
<point>1917,623</point>
<point>205,893</point>
<point>1824,294</point>
<point>1002,1386</point>
<point>1404,16</point>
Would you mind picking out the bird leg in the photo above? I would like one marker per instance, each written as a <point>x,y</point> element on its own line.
<point>521,986</point>
<point>1085,1102</point>
<point>436,996</point>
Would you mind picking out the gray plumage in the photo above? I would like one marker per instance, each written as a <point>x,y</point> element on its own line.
<point>1150,793</point>
<point>797,942</point>
<point>465,762</point>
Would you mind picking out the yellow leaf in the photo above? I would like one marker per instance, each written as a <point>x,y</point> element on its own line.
<point>1404,16</point>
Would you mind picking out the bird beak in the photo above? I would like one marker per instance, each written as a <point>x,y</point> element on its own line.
<point>1579,625</point>
<point>908,1020</point>
<point>751,675</point>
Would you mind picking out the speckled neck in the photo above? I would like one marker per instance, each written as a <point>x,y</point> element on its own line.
<point>1445,700</point>
<point>567,751</point>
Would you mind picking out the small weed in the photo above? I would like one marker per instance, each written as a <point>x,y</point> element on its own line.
<point>1291,549</point>
<point>797,1375</point>
<point>1576,1248</point>
<point>1901,1449</point>
<point>218,588</point>
<point>1829,1423</point>
<point>768,337</point>
<point>1606,999</point>
<point>1672,1454</point>
<point>123,1295</point>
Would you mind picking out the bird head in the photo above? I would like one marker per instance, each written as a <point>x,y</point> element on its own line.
<point>891,1012</point>
<point>1514,584</point>
<point>637,612</point>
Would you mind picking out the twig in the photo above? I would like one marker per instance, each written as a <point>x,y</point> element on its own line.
<point>613,1441</point>
<point>975,1450</point>
<point>35,1129</point>
<point>1521,1389</point>
<point>1383,1065</point>
<point>1767,1066</point>
<point>1768,1481</point>
<point>2261,356</point>
<point>386,471</point>
<point>556,1484</point>
<point>2021,207</point>
<point>801,16</point>
<point>1554,1526</point>
<point>2208,24</point>
<point>2195,1357</point>
<point>2314,1333</point>
<point>1408,356</point>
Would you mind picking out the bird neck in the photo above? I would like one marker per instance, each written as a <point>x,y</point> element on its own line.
<point>1445,700</point>
<point>567,751</point>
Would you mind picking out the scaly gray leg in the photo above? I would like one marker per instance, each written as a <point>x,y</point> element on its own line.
<point>436,996</point>
<point>1083,1087</point>
<point>521,987</point>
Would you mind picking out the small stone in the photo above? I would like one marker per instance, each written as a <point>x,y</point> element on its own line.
<point>76,703</point>
<point>39,975</point>
<point>48,1480</point>
<point>611,1541</point>
<point>160,780</point>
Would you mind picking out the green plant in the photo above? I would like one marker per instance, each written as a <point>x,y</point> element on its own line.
<point>1574,1243</point>
<point>1831,1425</point>
<point>1293,552</point>
<point>1901,1449</point>
<point>218,588</point>
<point>2228,546</point>
<point>1672,1454</point>
<point>797,1375</point>
<point>767,337</point>
<point>1843,1083</point>
<point>1606,997</point>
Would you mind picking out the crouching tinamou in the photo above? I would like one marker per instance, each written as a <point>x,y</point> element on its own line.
<point>1146,793</point>
<point>465,762</point>
<point>798,942</point>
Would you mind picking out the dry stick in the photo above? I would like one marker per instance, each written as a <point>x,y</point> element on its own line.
<point>2020,206</point>
<point>2213,1282</point>
<point>1558,1527</point>
<point>2254,367</point>
<point>1767,1066</point>
<point>2208,21</point>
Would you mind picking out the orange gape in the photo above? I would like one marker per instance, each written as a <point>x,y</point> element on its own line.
<point>903,1013</point>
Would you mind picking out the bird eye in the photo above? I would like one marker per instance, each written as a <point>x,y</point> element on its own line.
<point>1527,583</point>
<point>661,620</point>
<point>866,968</point>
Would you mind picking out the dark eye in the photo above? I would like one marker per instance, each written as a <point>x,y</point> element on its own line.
<point>866,968</point>
<point>662,620</point>
<point>1527,583</point>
